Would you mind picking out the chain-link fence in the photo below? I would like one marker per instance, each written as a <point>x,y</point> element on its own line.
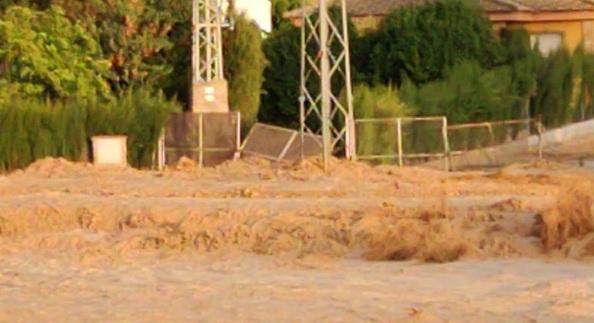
<point>473,136</point>
<point>207,138</point>
<point>405,141</point>
<point>280,144</point>
<point>431,142</point>
<point>493,144</point>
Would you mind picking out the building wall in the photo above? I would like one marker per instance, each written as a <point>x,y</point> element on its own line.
<point>572,31</point>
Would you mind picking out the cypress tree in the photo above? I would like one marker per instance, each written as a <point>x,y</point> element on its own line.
<point>244,66</point>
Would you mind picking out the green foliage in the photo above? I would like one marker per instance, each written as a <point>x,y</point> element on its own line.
<point>377,102</point>
<point>380,101</point>
<point>423,41</point>
<point>280,100</point>
<point>524,62</point>
<point>134,36</point>
<point>38,129</point>
<point>140,115</point>
<point>468,93</point>
<point>279,7</point>
<point>584,72</point>
<point>556,86</point>
<point>35,4</point>
<point>244,67</point>
<point>63,128</point>
<point>44,54</point>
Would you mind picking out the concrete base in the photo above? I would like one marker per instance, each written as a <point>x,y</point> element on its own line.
<point>210,97</point>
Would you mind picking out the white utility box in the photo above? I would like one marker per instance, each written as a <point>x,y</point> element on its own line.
<point>110,150</point>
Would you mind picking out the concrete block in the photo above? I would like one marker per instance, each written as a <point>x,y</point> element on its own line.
<point>210,97</point>
<point>110,150</point>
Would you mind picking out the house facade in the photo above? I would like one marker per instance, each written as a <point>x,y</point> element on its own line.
<point>551,23</point>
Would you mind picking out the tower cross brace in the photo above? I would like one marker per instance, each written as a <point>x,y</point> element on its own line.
<point>326,101</point>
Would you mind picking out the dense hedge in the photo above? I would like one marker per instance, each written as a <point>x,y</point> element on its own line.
<point>34,129</point>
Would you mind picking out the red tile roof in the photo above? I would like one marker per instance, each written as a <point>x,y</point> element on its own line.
<point>382,7</point>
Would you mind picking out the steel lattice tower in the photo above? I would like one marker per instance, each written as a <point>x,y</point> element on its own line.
<point>325,73</point>
<point>209,88</point>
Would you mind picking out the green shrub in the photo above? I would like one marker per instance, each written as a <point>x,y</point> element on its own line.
<point>34,129</point>
<point>244,67</point>
<point>468,93</point>
<point>556,85</point>
<point>378,102</point>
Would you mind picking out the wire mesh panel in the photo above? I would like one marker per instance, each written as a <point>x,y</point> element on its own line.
<point>276,143</point>
<point>424,139</point>
<point>312,146</point>
<point>401,140</point>
<point>488,134</point>
<point>377,140</point>
<point>268,141</point>
<point>182,137</point>
<point>495,144</point>
<point>221,137</point>
<point>207,138</point>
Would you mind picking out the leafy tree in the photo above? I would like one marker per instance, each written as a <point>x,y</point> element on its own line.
<point>244,66</point>
<point>468,93</point>
<point>279,7</point>
<point>423,41</point>
<point>34,4</point>
<point>135,36</point>
<point>524,62</point>
<point>556,85</point>
<point>43,53</point>
<point>280,99</point>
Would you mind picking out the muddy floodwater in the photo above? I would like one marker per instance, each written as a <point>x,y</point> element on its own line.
<point>250,241</point>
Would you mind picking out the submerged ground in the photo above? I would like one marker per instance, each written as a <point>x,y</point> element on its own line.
<point>249,241</point>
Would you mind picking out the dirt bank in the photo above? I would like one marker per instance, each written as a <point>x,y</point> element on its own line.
<point>382,213</point>
<point>248,240</point>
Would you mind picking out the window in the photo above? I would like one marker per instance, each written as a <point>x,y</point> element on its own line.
<point>546,42</point>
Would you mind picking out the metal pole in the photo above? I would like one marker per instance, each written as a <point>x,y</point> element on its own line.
<point>351,140</point>
<point>219,32</point>
<point>540,129</point>
<point>195,42</point>
<point>302,95</point>
<point>446,143</point>
<point>400,149</point>
<point>207,18</point>
<point>201,140</point>
<point>326,87</point>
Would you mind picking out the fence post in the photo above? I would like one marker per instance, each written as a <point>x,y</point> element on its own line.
<point>161,151</point>
<point>201,140</point>
<point>446,144</point>
<point>540,129</point>
<point>238,138</point>
<point>399,138</point>
<point>491,134</point>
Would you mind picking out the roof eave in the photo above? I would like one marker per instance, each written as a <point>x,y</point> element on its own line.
<point>540,16</point>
